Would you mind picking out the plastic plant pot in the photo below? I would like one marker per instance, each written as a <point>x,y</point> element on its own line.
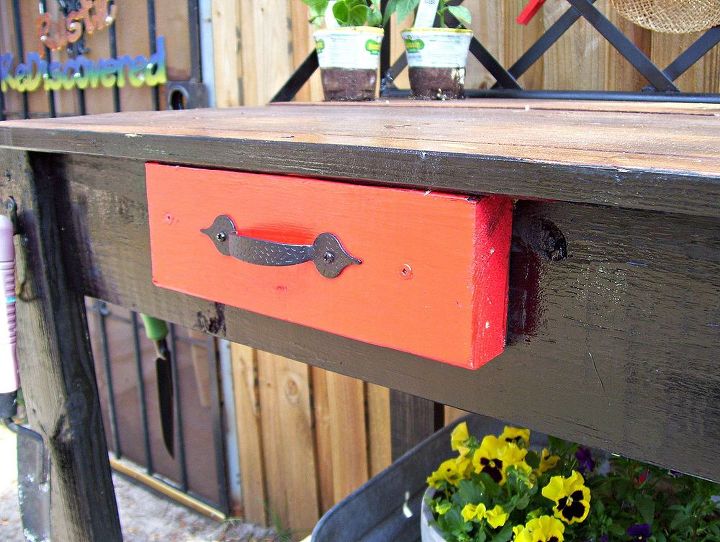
<point>349,58</point>
<point>436,61</point>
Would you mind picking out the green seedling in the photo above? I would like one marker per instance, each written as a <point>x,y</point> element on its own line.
<point>347,12</point>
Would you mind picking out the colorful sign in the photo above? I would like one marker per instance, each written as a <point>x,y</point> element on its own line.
<point>35,72</point>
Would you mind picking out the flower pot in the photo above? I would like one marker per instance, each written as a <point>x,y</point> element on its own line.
<point>349,59</point>
<point>436,60</point>
<point>428,532</point>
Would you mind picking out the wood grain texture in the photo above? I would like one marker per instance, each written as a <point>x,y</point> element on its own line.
<point>634,160</point>
<point>132,30</point>
<point>578,60</point>
<point>323,437</point>
<point>172,23</point>
<point>517,39</point>
<point>56,366</point>
<point>704,76</point>
<point>379,443</point>
<point>452,414</point>
<point>412,420</point>
<point>302,45</point>
<point>266,57</point>
<point>288,443</point>
<point>614,346</point>
<point>348,434</point>
<point>226,52</point>
<point>249,432</point>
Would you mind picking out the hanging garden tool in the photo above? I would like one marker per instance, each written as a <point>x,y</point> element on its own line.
<point>32,457</point>
<point>157,331</point>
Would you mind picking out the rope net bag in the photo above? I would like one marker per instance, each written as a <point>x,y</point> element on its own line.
<point>673,16</point>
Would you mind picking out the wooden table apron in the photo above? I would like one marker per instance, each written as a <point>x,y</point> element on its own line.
<point>614,344</point>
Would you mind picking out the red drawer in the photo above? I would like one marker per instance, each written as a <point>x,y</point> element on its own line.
<point>434,267</point>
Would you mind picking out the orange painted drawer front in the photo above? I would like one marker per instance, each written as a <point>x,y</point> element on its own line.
<point>434,267</point>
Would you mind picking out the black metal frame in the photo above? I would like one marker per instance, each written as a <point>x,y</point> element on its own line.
<point>661,86</point>
<point>101,313</point>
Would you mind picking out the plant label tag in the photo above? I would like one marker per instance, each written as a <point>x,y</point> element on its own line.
<point>330,20</point>
<point>425,18</point>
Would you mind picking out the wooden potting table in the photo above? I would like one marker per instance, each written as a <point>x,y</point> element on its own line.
<point>614,296</point>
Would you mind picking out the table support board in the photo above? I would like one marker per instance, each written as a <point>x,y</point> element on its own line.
<point>57,373</point>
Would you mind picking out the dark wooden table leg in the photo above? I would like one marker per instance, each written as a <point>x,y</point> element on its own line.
<point>412,419</point>
<point>56,366</point>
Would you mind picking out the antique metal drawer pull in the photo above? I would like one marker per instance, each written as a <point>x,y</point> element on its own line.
<point>326,252</point>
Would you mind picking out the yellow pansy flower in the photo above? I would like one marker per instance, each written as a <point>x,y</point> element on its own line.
<point>473,512</point>
<point>458,437</point>
<point>447,472</point>
<point>496,516</point>
<point>495,456</point>
<point>571,496</point>
<point>464,466</point>
<point>516,435</point>
<point>542,529</point>
<point>547,461</point>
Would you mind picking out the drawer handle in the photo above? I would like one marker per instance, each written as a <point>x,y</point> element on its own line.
<point>326,252</point>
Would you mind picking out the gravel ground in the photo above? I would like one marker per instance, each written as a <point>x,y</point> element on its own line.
<point>143,515</point>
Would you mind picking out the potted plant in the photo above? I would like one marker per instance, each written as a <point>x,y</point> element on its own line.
<point>349,47</point>
<point>499,489</point>
<point>436,56</point>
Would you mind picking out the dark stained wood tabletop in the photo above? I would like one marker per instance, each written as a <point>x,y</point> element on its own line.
<point>650,156</point>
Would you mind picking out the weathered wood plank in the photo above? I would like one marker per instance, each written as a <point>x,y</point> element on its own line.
<point>288,442</point>
<point>379,432</point>
<point>56,365</point>
<point>633,160</point>
<point>614,346</point>
<point>247,419</point>
<point>348,434</point>
<point>412,419</point>
<point>226,53</point>
<point>266,57</point>
<point>323,437</point>
<point>452,414</point>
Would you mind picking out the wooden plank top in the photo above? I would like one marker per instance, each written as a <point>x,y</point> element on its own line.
<point>659,156</point>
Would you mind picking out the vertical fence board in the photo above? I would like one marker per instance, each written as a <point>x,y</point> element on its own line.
<point>172,23</point>
<point>98,100</point>
<point>452,414</point>
<point>132,30</point>
<point>248,420</point>
<point>578,60</point>
<point>302,45</point>
<point>378,412</point>
<point>703,76</point>
<point>518,38</point>
<point>226,52</point>
<point>266,56</point>
<point>487,18</point>
<point>29,13</point>
<point>288,442</point>
<point>620,73</point>
<point>346,397</point>
<point>323,437</point>
<point>13,102</point>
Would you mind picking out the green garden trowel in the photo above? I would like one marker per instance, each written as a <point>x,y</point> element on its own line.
<point>157,331</point>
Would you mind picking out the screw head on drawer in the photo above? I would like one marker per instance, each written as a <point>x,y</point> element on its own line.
<point>218,233</point>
